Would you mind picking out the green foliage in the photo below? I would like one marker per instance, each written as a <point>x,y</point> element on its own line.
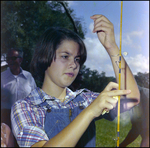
<point>106,132</point>
<point>95,81</point>
<point>142,79</point>
<point>23,22</point>
<point>91,79</point>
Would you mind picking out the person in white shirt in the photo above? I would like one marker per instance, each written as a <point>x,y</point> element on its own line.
<point>16,83</point>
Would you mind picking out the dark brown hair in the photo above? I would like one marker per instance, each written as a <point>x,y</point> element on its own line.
<point>45,50</point>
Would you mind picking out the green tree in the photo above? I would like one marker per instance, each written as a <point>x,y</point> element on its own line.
<point>23,22</point>
<point>93,80</point>
<point>142,79</point>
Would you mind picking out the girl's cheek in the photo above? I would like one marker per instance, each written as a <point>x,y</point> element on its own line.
<point>61,60</point>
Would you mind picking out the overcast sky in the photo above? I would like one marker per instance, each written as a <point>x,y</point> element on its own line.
<point>135,33</point>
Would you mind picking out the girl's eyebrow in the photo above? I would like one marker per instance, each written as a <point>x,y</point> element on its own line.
<point>65,52</point>
<point>78,56</point>
<point>69,53</point>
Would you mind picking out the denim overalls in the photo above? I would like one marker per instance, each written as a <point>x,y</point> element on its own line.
<point>57,119</point>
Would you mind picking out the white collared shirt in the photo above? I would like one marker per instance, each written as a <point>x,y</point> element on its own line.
<point>14,88</point>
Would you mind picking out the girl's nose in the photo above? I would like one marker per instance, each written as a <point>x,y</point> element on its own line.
<point>73,64</point>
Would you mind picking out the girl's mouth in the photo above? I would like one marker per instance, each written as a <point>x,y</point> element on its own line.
<point>70,74</point>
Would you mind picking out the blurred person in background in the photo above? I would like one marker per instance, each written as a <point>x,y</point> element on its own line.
<point>140,120</point>
<point>16,83</point>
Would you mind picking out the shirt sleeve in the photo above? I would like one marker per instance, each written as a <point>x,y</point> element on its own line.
<point>27,124</point>
<point>32,82</point>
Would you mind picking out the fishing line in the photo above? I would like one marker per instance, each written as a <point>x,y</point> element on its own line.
<point>95,5</point>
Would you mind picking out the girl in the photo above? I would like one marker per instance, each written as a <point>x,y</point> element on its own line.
<point>53,115</point>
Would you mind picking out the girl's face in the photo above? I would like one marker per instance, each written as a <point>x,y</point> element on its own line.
<point>65,67</point>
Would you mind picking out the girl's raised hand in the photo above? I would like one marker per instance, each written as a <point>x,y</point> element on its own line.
<point>105,31</point>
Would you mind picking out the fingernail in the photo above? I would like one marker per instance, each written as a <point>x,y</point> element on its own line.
<point>128,91</point>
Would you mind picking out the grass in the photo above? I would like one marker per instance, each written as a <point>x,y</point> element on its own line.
<point>106,132</point>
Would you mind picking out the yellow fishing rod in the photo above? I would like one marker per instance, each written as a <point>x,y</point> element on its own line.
<point>104,111</point>
<point>118,122</point>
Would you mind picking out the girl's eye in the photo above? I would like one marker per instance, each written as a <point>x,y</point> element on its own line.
<point>65,57</point>
<point>77,60</point>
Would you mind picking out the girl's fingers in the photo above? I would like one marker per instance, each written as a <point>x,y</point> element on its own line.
<point>101,23</point>
<point>96,16</point>
<point>110,103</point>
<point>111,100</point>
<point>110,86</point>
<point>111,93</point>
<point>99,17</point>
<point>108,106</point>
<point>100,28</point>
<point>118,92</point>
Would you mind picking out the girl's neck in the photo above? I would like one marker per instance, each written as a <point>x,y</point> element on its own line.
<point>54,90</point>
<point>62,95</point>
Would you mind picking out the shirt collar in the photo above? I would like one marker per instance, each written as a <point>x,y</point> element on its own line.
<point>22,72</point>
<point>38,96</point>
<point>9,72</point>
<point>70,95</point>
